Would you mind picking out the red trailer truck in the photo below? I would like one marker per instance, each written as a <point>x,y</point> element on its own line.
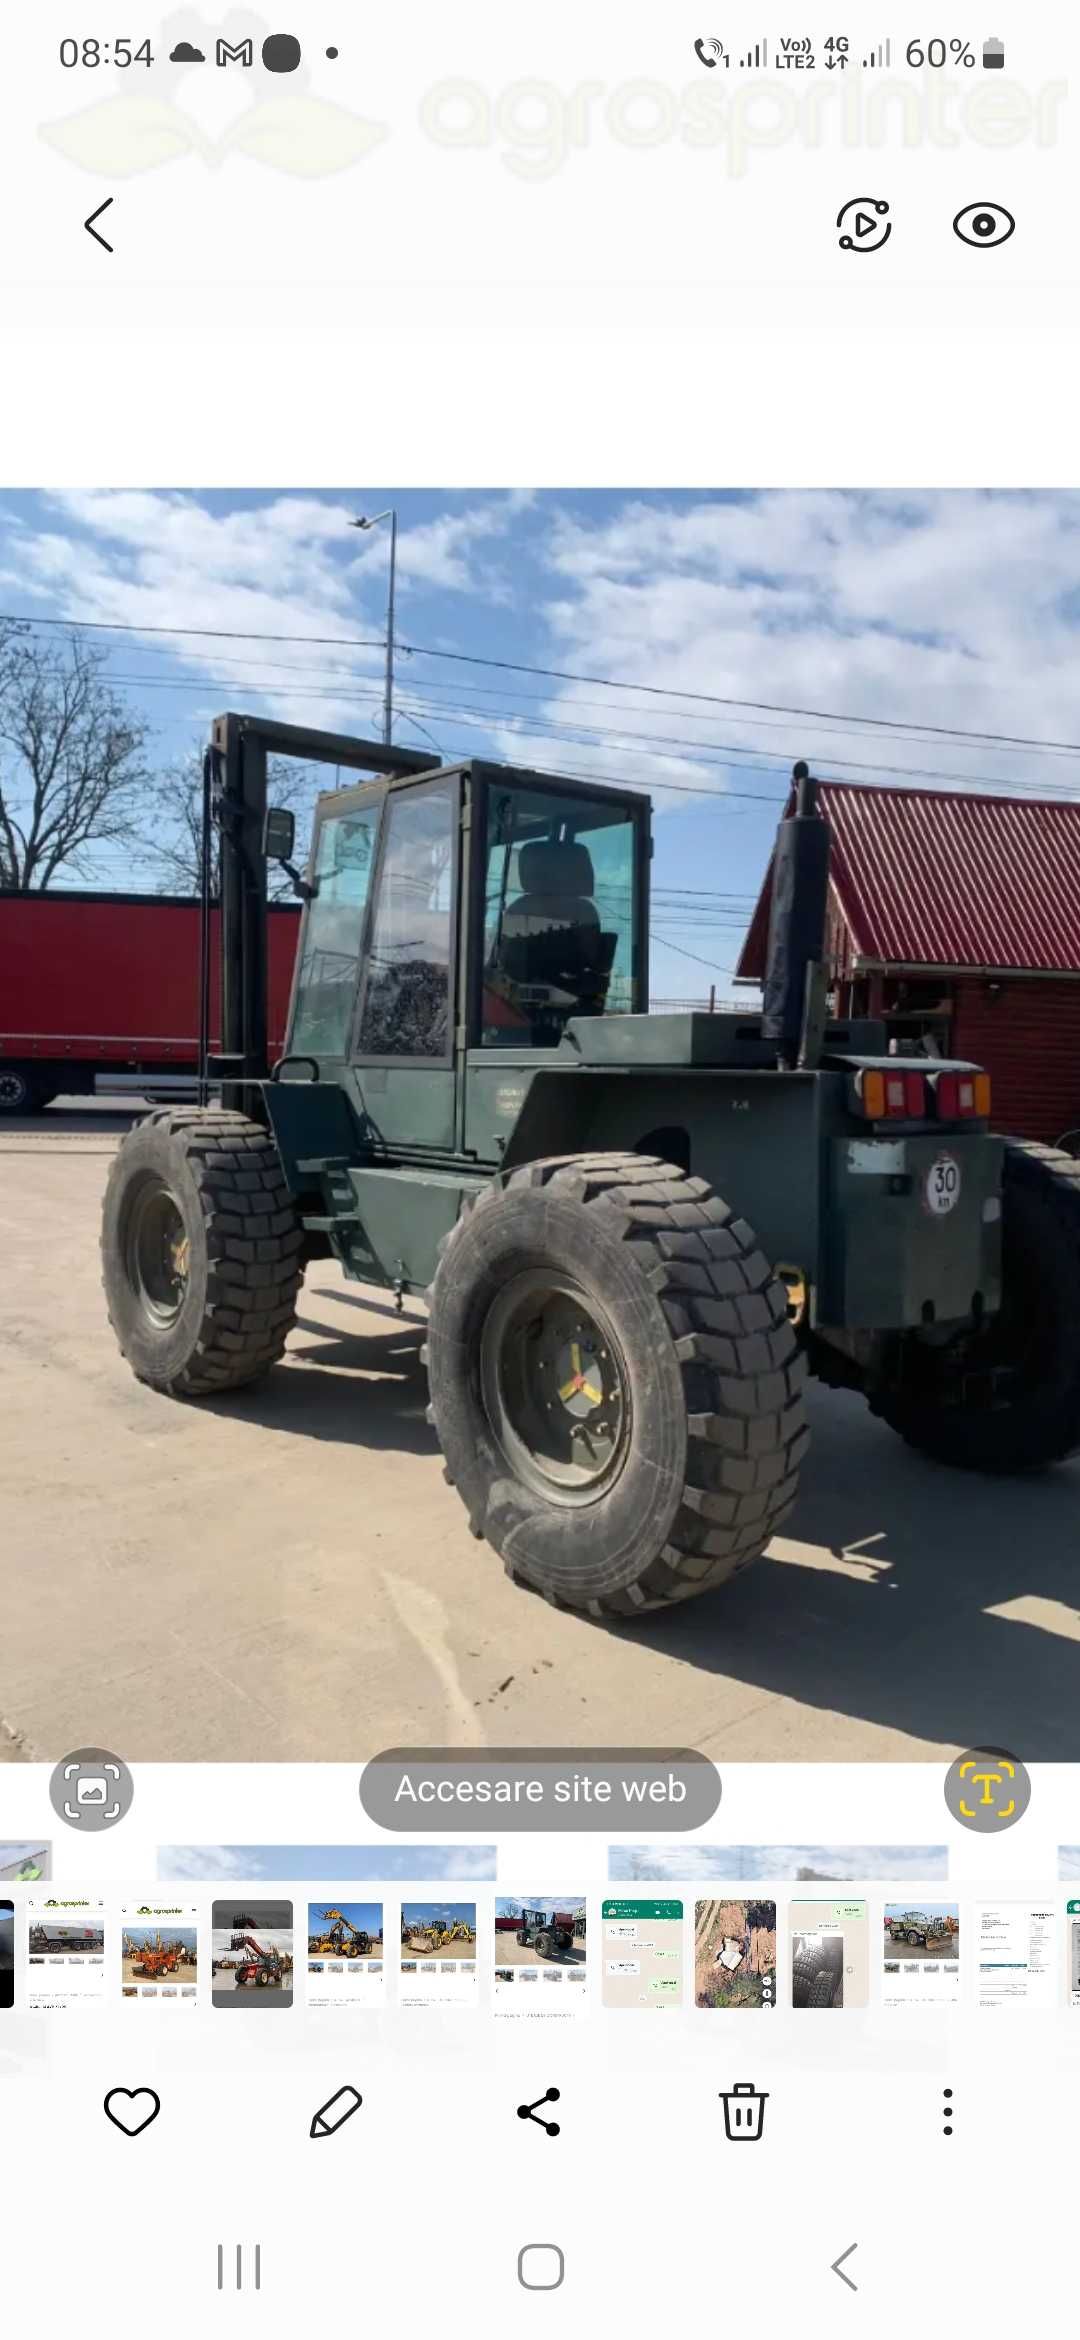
<point>103,989</point>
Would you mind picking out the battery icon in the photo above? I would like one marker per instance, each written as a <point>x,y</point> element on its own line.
<point>994,56</point>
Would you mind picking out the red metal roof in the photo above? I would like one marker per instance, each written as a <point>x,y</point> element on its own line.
<point>924,879</point>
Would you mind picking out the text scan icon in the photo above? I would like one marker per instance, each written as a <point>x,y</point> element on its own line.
<point>987,1789</point>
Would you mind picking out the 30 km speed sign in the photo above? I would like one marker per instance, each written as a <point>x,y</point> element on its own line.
<point>941,1186</point>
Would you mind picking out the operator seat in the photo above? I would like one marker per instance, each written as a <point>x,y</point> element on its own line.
<point>551,934</point>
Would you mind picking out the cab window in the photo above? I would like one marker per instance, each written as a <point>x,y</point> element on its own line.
<point>559,916</point>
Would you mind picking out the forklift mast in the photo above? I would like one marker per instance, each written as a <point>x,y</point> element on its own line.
<point>235,803</point>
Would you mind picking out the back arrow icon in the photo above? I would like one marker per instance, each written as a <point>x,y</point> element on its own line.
<point>91,229</point>
<point>838,2266</point>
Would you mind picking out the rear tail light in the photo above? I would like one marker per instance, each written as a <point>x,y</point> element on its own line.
<point>962,1096</point>
<point>891,1096</point>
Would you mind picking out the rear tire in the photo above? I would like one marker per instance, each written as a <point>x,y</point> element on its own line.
<point>698,1384</point>
<point>20,1091</point>
<point>201,1251</point>
<point>1030,1416</point>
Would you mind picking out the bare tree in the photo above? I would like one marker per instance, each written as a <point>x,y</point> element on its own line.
<point>173,851</point>
<point>72,774</point>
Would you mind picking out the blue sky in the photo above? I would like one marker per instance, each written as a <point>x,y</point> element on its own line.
<point>284,1863</point>
<point>421,1913</point>
<point>731,1863</point>
<point>366,1916</point>
<point>928,1909</point>
<point>923,608</point>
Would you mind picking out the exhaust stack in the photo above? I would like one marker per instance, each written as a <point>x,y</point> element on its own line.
<point>794,967</point>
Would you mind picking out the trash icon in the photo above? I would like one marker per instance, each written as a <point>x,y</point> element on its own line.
<point>744,2112</point>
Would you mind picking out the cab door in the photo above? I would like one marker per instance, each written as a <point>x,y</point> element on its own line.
<point>403,1043</point>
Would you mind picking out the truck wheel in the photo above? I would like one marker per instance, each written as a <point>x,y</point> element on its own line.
<point>614,1382</point>
<point>200,1251</point>
<point>545,1945</point>
<point>1007,1398</point>
<point>19,1091</point>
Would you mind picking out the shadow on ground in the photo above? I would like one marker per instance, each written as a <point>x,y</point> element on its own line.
<point>916,1598</point>
<point>353,1389</point>
<point>927,1600</point>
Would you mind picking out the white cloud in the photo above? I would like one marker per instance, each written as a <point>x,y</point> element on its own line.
<point>946,609</point>
<point>287,566</point>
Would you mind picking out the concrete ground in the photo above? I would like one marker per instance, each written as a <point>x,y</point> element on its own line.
<point>285,1576</point>
<point>938,1947</point>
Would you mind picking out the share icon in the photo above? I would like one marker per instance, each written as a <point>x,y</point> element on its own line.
<point>528,2112</point>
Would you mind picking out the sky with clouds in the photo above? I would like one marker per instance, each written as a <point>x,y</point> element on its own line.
<point>934,609</point>
<point>212,1864</point>
<point>731,1863</point>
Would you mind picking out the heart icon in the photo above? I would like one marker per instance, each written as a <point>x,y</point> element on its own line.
<point>132,2109</point>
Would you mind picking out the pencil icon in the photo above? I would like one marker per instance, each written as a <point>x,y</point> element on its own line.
<point>338,2109</point>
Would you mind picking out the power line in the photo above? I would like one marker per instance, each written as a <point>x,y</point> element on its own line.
<point>560,674</point>
<point>727,753</point>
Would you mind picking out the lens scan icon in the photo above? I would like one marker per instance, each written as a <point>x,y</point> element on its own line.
<point>984,225</point>
<point>91,1789</point>
<point>864,224</point>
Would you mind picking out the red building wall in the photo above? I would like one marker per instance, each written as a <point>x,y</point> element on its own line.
<point>1027,1034</point>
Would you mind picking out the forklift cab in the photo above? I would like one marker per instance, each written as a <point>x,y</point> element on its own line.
<point>474,901</point>
<point>452,910</point>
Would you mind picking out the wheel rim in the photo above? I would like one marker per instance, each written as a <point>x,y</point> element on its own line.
<point>14,1090</point>
<point>158,1252</point>
<point>555,1387</point>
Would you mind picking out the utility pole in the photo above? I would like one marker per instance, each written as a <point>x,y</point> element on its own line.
<point>388,689</point>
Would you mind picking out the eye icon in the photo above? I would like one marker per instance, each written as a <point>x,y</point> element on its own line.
<point>983,224</point>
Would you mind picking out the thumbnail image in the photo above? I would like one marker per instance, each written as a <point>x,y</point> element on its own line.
<point>817,1970</point>
<point>159,1954</point>
<point>252,1954</point>
<point>930,1931</point>
<point>355,1864</point>
<point>735,1954</point>
<point>546,1929</point>
<point>64,1938</point>
<point>437,1930</point>
<point>749,1864</point>
<point>25,1864</point>
<point>349,1930</point>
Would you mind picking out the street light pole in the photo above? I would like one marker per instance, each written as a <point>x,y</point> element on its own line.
<point>388,700</point>
<point>388,691</point>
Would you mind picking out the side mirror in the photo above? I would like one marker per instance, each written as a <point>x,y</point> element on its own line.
<point>279,834</point>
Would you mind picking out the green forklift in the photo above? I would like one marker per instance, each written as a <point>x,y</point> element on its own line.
<point>636,1233</point>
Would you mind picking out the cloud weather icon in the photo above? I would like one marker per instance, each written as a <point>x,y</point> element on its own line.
<point>185,53</point>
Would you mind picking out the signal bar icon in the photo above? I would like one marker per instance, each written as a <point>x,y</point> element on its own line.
<point>882,55</point>
<point>756,57</point>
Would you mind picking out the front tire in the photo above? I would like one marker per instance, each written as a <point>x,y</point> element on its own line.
<point>201,1251</point>
<point>614,1382</point>
<point>1007,1399</point>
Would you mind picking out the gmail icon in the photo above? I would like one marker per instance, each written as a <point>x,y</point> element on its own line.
<point>236,53</point>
